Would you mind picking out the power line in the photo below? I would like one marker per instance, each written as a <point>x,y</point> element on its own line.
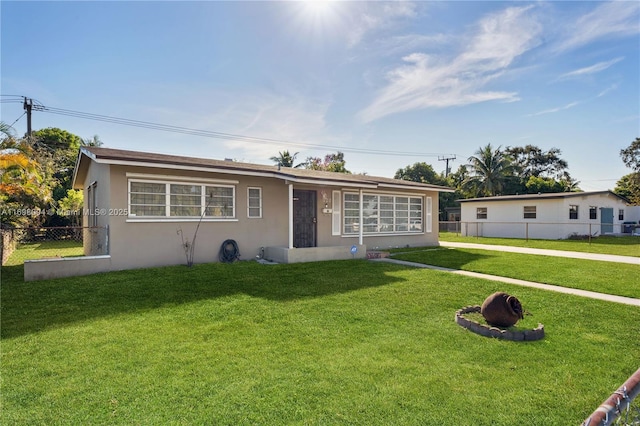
<point>38,106</point>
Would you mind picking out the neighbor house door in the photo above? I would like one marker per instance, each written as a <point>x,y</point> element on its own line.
<point>304,218</point>
<point>606,220</point>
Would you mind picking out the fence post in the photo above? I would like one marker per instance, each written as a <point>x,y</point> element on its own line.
<point>526,232</point>
<point>589,234</point>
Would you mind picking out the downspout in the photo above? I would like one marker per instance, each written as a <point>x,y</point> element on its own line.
<point>360,236</point>
<point>290,215</point>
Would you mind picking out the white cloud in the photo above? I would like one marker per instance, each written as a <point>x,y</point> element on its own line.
<point>593,69</point>
<point>610,19</point>
<point>426,81</point>
<point>552,110</point>
<point>377,16</point>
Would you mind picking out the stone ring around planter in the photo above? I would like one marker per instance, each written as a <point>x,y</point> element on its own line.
<point>499,333</point>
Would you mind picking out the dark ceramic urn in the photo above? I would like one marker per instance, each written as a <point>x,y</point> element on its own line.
<point>501,310</point>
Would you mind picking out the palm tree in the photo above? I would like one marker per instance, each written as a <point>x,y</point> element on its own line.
<point>490,169</point>
<point>285,159</point>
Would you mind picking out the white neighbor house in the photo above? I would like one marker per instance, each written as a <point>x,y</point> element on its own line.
<point>548,216</point>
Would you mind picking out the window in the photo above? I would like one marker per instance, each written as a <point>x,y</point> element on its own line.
<point>620,214</point>
<point>180,200</point>
<point>481,213</point>
<point>254,202</point>
<point>382,214</point>
<point>529,212</point>
<point>573,212</point>
<point>593,212</point>
<point>91,195</point>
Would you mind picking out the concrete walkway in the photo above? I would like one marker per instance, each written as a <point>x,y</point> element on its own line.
<point>559,253</point>
<point>544,252</point>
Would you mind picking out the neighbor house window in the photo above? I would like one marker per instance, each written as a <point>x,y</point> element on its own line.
<point>254,202</point>
<point>621,214</point>
<point>91,195</point>
<point>573,212</point>
<point>593,212</point>
<point>529,212</point>
<point>481,213</point>
<point>382,214</point>
<point>180,200</point>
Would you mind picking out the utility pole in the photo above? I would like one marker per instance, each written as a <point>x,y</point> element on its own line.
<point>28,105</point>
<point>447,159</point>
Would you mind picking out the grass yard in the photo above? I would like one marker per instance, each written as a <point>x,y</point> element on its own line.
<point>344,342</point>
<point>623,246</point>
<point>603,277</point>
<point>45,249</point>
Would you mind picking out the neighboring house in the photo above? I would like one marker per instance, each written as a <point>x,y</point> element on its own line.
<point>282,214</point>
<point>548,216</point>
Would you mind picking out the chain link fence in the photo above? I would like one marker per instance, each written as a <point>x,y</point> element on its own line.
<point>539,230</point>
<point>20,244</point>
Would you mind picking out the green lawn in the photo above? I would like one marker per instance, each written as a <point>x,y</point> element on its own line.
<point>624,246</point>
<point>344,342</point>
<point>605,277</point>
<point>45,249</point>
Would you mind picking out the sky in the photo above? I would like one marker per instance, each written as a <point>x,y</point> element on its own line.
<point>388,83</point>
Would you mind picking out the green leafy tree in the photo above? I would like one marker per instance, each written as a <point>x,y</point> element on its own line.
<point>71,206</point>
<point>420,172</point>
<point>531,161</point>
<point>629,187</point>
<point>490,169</point>
<point>631,155</point>
<point>331,163</point>
<point>286,159</point>
<point>537,184</point>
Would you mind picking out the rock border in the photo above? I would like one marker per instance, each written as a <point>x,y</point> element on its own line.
<point>498,333</point>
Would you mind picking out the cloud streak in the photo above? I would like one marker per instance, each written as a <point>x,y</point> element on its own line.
<point>593,69</point>
<point>609,20</point>
<point>433,82</point>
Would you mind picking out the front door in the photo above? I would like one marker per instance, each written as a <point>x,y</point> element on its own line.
<point>606,220</point>
<point>304,218</point>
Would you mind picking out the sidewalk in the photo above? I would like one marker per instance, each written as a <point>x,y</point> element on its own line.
<point>557,253</point>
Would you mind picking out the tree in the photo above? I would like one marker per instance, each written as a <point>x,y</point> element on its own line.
<point>631,155</point>
<point>94,141</point>
<point>286,159</point>
<point>71,206</point>
<point>629,187</point>
<point>420,172</point>
<point>331,163</point>
<point>531,161</point>
<point>537,184</point>
<point>490,170</point>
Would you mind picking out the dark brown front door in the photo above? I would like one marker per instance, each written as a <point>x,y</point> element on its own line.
<point>304,218</point>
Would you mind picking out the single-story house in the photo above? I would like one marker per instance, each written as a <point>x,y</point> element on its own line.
<point>153,203</point>
<point>548,216</point>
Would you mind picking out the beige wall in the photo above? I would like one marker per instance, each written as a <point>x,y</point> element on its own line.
<point>136,243</point>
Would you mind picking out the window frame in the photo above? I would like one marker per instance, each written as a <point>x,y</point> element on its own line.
<point>168,194</point>
<point>574,210</point>
<point>529,212</point>
<point>482,213</point>
<point>620,214</point>
<point>249,198</point>
<point>593,213</point>
<point>385,207</point>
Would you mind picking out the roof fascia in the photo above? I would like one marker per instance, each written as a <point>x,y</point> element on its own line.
<point>415,188</point>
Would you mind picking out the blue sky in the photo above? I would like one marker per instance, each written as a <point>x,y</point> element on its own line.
<point>428,79</point>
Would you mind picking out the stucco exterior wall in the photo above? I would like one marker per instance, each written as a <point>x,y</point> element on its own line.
<point>140,242</point>
<point>505,218</point>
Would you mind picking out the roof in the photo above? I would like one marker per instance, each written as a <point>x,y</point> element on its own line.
<point>148,159</point>
<point>545,196</point>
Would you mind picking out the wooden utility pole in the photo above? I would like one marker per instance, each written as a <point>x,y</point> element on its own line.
<point>28,105</point>
<point>447,159</point>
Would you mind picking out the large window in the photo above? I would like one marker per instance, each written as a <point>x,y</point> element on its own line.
<point>180,200</point>
<point>529,212</point>
<point>382,214</point>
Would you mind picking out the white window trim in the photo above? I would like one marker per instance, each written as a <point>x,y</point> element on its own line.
<point>429,215</point>
<point>336,213</point>
<point>391,233</point>
<point>167,217</point>
<point>259,189</point>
